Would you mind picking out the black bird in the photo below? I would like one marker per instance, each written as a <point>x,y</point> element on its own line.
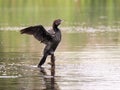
<point>50,38</point>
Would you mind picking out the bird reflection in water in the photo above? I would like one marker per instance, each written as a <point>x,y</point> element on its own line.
<point>50,82</point>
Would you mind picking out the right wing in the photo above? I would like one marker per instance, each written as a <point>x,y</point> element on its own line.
<point>38,32</point>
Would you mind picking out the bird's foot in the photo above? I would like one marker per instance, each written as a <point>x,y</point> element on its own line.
<point>42,70</point>
<point>39,66</point>
<point>50,63</point>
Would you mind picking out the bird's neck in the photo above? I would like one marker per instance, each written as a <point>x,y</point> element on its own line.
<point>55,28</point>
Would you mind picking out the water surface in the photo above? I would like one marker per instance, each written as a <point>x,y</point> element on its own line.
<point>88,58</point>
<point>84,61</point>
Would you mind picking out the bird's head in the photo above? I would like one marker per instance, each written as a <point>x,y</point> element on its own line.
<point>57,22</point>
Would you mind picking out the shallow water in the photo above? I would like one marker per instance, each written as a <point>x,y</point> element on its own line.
<point>88,58</point>
<point>84,61</point>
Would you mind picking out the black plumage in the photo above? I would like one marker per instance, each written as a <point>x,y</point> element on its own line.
<point>50,38</point>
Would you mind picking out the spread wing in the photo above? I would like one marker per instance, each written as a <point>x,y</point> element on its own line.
<point>38,32</point>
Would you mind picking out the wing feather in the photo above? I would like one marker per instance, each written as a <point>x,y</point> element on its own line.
<point>38,32</point>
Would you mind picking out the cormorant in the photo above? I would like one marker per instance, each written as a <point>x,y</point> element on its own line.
<point>50,38</point>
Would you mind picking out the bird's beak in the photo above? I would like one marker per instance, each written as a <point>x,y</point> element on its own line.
<point>61,21</point>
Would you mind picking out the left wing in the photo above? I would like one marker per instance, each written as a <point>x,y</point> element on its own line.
<point>38,32</point>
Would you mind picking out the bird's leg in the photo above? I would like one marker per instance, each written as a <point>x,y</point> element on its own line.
<point>53,60</point>
<point>42,60</point>
<point>46,53</point>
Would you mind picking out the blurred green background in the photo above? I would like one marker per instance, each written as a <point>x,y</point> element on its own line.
<point>73,12</point>
<point>88,15</point>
